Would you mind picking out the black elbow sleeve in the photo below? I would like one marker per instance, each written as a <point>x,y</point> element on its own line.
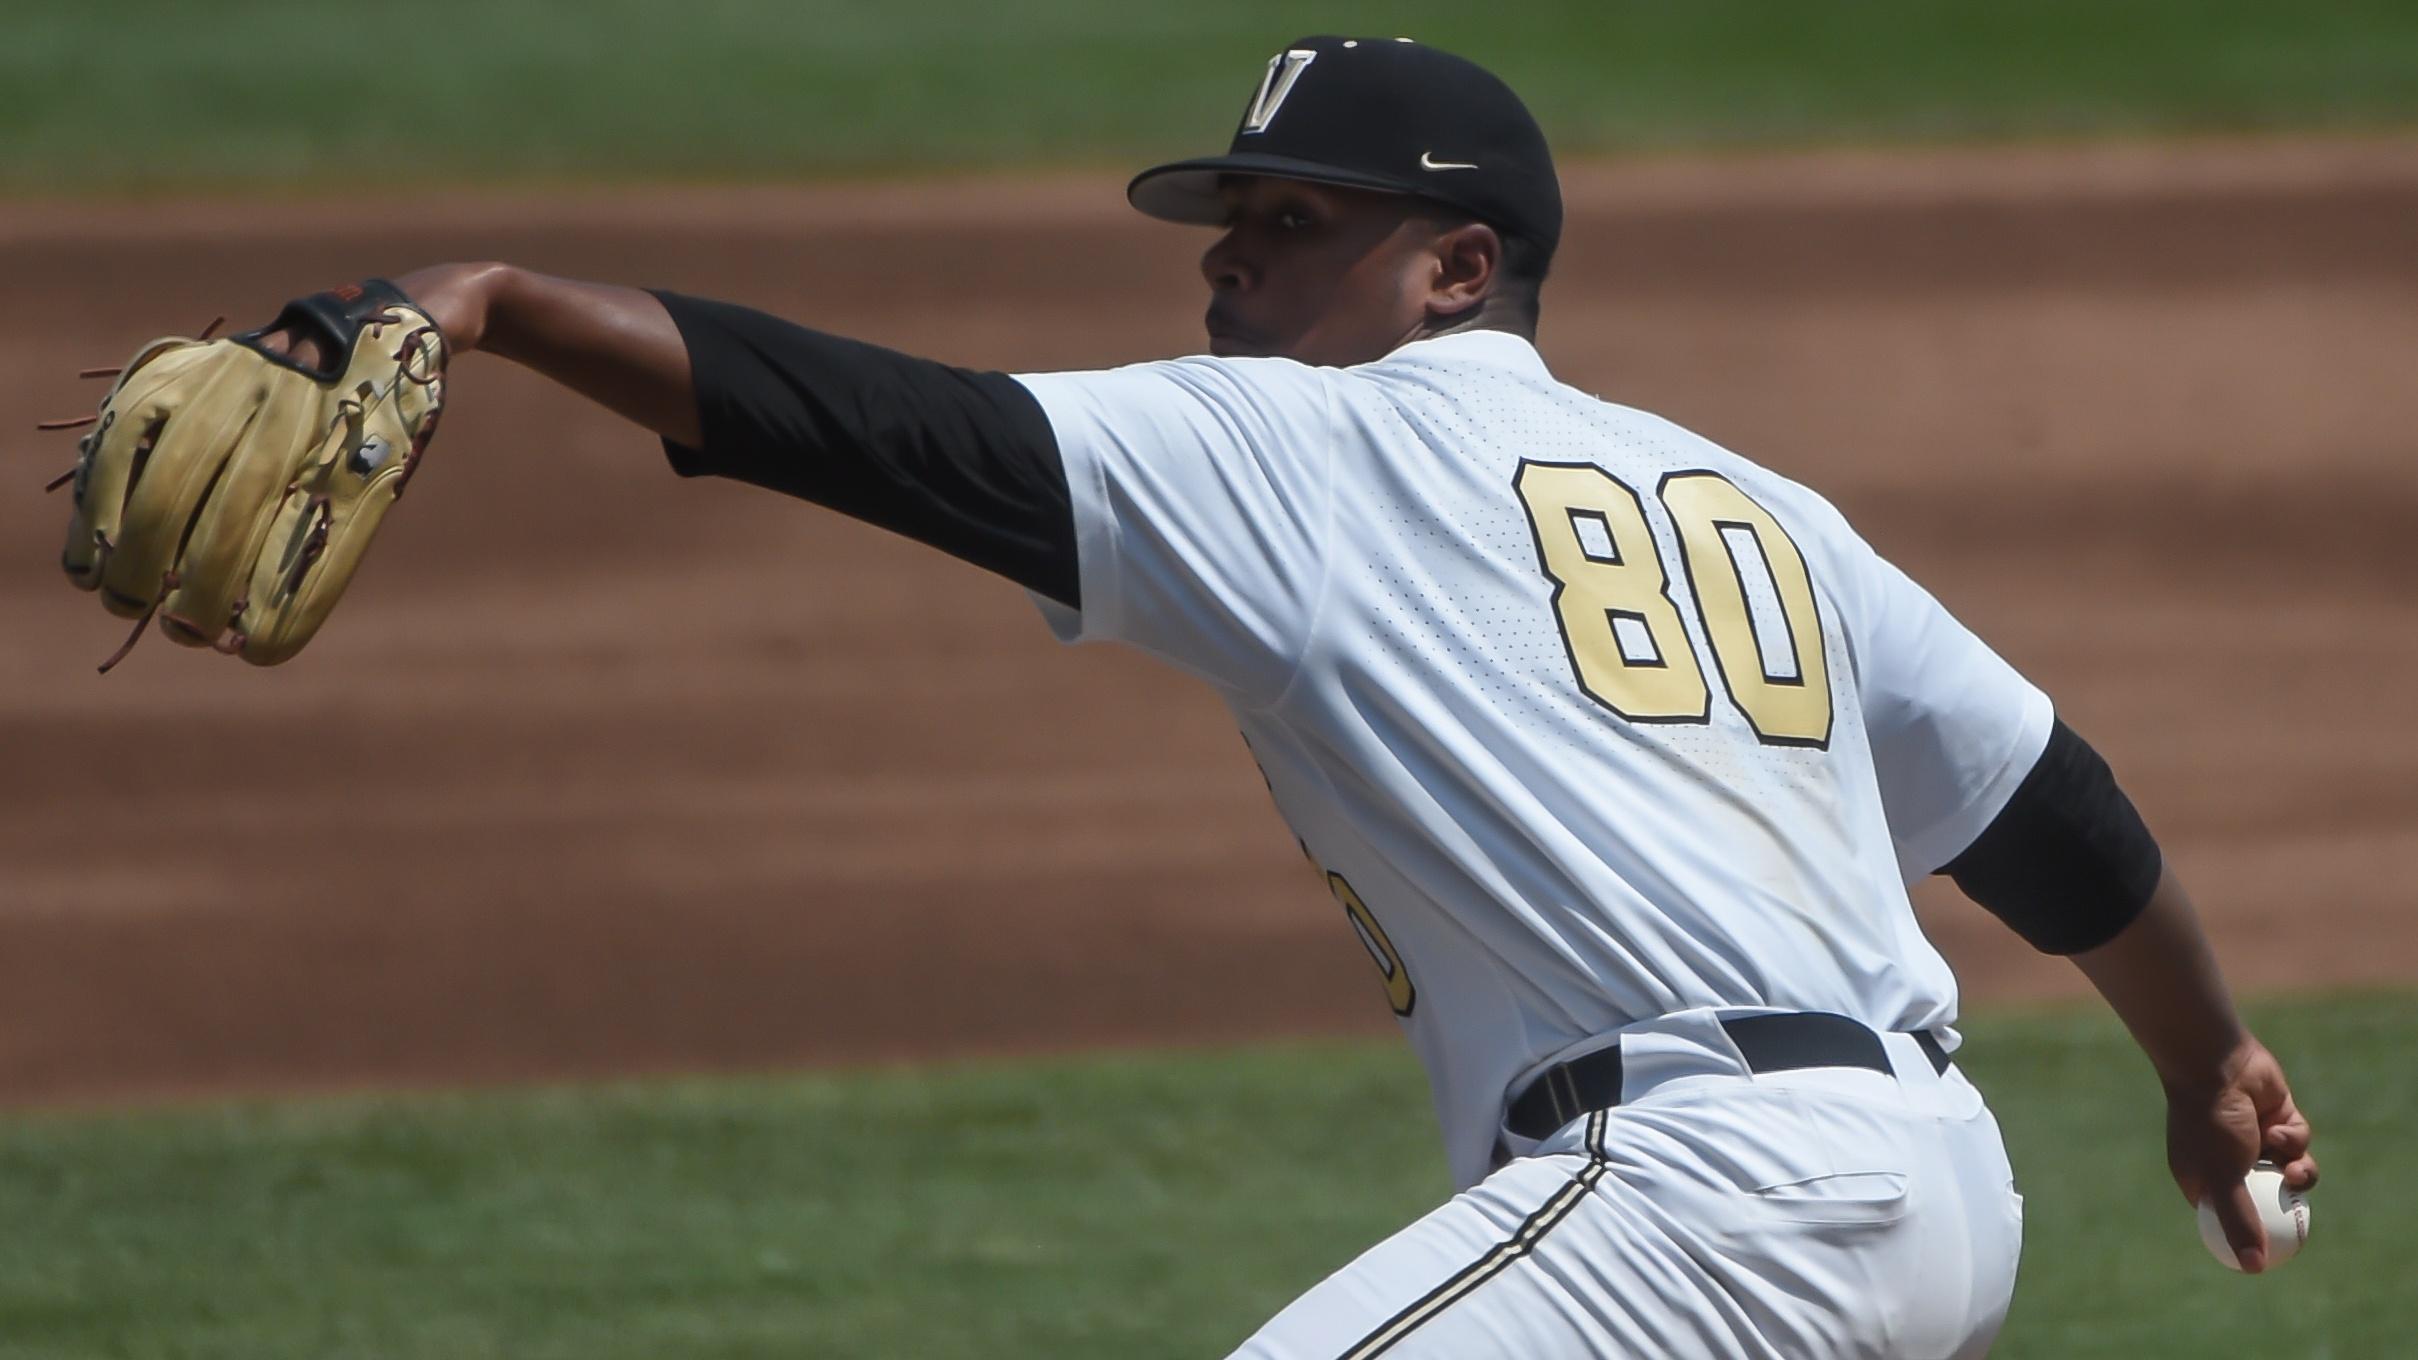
<point>2068,863</point>
<point>964,461</point>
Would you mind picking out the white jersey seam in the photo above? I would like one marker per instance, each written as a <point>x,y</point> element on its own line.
<point>1326,559</point>
<point>1112,533</point>
<point>1994,794</point>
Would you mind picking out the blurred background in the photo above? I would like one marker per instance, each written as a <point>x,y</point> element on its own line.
<point>661,918</point>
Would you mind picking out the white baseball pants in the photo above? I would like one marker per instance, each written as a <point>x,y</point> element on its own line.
<point>1803,1215</point>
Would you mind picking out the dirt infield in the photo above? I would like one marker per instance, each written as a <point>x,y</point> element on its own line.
<point>603,772</point>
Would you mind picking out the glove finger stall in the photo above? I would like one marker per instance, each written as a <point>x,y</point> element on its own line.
<point>234,522</point>
<point>107,467</point>
<point>318,535</point>
<point>189,450</point>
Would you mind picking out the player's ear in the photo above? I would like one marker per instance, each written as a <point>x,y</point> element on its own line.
<point>1469,262</point>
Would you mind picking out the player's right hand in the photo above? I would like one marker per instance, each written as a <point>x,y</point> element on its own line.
<point>2217,1130</point>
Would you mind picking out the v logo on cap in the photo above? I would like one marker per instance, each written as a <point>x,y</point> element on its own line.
<point>1284,71</point>
<point>1385,117</point>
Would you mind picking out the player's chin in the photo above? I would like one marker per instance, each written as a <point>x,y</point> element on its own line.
<point>1228,341</point>
<point>1227,345</point>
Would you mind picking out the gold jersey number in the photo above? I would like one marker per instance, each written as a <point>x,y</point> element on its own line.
<point>1622,625</point>
<point>1399,993</point>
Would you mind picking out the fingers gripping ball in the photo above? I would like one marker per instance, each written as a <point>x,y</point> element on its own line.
<point>230,490</point>
<point>2283,1210</point>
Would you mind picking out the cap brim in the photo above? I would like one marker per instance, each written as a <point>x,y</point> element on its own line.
<point>1186,191</point>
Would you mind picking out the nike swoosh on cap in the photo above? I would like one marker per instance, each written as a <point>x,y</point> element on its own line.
<point>1428,161</point>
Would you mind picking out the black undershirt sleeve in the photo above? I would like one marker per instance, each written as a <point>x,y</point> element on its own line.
<point>962,460</point>
<point>2067,863</point>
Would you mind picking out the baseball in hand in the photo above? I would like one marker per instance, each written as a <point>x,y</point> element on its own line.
<point>2284,1210</point>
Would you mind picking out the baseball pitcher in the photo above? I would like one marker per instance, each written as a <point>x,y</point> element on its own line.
<point>1617,751</point>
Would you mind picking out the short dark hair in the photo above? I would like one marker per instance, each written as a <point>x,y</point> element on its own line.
<point>1526,262</point>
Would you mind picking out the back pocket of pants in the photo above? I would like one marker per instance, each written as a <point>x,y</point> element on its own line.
<point>1845,1198</point>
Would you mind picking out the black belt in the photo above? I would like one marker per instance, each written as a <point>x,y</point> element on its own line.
<point>1769,1043</point>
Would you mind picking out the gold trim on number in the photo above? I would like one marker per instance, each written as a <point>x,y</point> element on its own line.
<point>1398,989</point>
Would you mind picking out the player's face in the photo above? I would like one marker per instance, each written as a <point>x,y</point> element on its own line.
<point>1317,273</point>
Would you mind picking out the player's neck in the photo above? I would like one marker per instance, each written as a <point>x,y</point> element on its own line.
<point>1494,314</point>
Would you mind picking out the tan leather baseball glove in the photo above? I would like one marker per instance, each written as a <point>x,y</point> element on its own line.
<point>230,490</point>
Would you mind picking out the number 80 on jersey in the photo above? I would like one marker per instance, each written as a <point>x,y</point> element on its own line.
<point>1622,625</point>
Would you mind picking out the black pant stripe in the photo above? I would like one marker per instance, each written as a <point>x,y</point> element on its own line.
<point>1498,1258</point>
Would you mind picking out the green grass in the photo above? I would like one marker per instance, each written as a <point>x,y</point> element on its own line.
<point>1121,1206</point>
<point>139,94</point>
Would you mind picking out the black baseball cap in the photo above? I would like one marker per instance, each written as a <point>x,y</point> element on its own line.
<point>1378,113</point>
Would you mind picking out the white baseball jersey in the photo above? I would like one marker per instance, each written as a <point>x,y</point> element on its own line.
<point>1587,719</point>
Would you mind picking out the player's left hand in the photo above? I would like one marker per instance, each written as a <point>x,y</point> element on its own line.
<point>229,487</point>
<point>2217,1130</point>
